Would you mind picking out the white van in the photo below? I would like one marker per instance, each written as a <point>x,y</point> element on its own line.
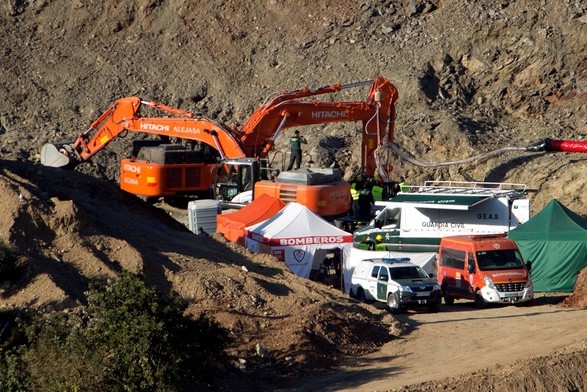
<point>396,282</point>
<point>416,220</point>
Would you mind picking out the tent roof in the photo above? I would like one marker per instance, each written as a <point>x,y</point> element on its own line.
<point>555,221</point>
<point>258,210</point>
<point>296,224</point>
<point>233,225</point>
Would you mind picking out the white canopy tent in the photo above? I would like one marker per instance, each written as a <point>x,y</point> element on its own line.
<point>298,237</point>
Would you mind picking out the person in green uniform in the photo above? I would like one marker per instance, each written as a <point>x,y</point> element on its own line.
<point>377,189</point>
<point>379,245</point>
<point>295,144</point>
<point>364,245</point>
<point>403,184</point>
<point>355,189</point>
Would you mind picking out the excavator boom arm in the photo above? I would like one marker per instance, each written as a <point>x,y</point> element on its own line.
<point>377,112</point>
<point>202,130</point>
<point>123,116</point>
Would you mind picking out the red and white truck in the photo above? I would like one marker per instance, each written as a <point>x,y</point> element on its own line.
<point>484,268</point>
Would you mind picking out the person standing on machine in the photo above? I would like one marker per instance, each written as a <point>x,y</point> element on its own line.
<point>295,143</point>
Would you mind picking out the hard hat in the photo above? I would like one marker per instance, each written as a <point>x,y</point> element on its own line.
<point>379,237</point>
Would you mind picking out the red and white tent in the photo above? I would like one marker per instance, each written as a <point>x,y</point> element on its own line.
<point>298,237</point>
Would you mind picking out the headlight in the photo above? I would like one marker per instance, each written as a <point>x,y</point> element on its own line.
<point>436,287</point>
<point>528,282</point>
<point>488,282</point>
<point>405,288</point>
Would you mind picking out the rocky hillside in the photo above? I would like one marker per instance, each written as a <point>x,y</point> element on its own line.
<point>472,76</point>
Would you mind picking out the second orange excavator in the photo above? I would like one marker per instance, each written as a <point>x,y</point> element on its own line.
<point>197,156</point>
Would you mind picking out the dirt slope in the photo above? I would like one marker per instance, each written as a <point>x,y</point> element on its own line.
<point>472,77</point>
<point>70,229</point>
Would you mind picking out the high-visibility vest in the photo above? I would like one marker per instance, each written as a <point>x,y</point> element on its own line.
<point>354,193</point>
<point>364,246</point>
<point>377,192</point>
<point>403,186</point>
<point>380,246</point>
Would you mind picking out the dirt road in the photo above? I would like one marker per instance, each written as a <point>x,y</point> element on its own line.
<point>459,340</point>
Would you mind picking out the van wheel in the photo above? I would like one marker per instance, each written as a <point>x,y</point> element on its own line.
<point>448,299</point>
<point>393,302</point>
<point>361,296</point>
<point>479,301</point>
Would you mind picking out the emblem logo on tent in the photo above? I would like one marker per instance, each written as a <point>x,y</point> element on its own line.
<point>299,255</point>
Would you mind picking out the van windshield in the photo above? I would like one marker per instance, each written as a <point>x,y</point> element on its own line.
<point>499,260</point>
<point>388,217</point>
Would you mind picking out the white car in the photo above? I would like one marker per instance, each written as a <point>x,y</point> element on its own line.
<point>396,282</point>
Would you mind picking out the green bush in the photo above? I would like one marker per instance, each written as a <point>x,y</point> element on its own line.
<point>13,376</point>
<point>128,338</point>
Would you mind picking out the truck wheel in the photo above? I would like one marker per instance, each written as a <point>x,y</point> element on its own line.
<point>361,295</point>
<point>479,301</point>
<point>393,302</point>
<point>448,299</point>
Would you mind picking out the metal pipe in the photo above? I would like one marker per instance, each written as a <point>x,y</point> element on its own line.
<point>218,145</point>
<point>281,124</point>
<point>350,85</point>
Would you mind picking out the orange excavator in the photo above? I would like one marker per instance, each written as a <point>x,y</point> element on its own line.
<point>197,156</point>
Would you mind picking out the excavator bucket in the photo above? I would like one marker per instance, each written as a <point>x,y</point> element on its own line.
<point>56,155</point>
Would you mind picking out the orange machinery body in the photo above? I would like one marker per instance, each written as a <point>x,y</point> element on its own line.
<point>326,200</point>
<point>143,175</point>
<point>157,179</point>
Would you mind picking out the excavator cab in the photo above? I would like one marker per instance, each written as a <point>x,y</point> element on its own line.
<point>323,191</point>
<point>235,180</point>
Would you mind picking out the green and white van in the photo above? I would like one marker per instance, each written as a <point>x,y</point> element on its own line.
<point>415,221</point>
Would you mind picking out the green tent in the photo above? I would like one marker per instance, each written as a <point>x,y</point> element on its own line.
<point>555,240</point>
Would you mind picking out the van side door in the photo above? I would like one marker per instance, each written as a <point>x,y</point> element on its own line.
<point>469,283</point>
<point>382,283</point>
<point>452,264</point>
<point>372,283</point>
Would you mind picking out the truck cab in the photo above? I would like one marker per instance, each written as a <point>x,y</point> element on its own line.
<point>396,282</point>
<point>484,268</point>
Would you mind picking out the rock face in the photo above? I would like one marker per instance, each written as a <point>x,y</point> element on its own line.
<point>473,77</point>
